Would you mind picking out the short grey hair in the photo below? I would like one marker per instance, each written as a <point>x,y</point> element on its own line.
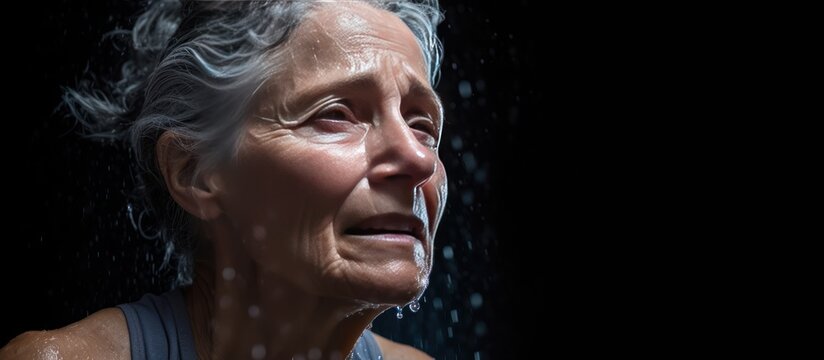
<point>183,55</point>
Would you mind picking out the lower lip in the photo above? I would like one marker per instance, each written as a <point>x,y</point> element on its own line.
<point>390,238</point>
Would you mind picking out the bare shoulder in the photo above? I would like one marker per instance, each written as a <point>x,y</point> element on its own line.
<point>397,351</point>
<point>101,335</point>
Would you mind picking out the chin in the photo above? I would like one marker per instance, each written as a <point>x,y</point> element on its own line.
<point>397,286</point>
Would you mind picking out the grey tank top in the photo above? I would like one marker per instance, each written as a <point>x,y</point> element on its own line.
<point>159,329</point>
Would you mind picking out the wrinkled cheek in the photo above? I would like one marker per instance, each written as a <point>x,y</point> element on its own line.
<point>435,191</point>
<point>434,195</point>
<point>291,189</point>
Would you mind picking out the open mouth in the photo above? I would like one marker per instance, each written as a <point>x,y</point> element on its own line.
<point>392,225</point>
<point>370,231</point>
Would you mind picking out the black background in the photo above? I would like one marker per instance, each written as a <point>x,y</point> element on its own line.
<point>70,250</point>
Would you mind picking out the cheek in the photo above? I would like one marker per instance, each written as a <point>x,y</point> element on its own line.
<point>288,191</point>
<point>435,191</point>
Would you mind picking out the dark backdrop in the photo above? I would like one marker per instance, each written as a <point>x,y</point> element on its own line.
<point>70,249</point>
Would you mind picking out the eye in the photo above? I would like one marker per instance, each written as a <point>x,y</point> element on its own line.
<point>337,117</point>
<point>335,112</point>
<point>425,130</point>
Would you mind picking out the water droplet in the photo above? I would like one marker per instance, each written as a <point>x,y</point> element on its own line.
<point>476,300</point>
<point>437,303</point>
<point>254,311</point>
<point>414,306</point>
<point>457,142</point>
<point>399,315</point>
<point>480,328</point>
<point>259,232</point>
<point>258,351</point>
<point>465,89</point>
<point>447,252</point>
<point>228,274</point>
<point>470,163</point>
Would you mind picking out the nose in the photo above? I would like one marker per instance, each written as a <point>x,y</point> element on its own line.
<point>397,156</point>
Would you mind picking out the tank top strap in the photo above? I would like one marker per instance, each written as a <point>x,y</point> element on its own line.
<point>159,327</point>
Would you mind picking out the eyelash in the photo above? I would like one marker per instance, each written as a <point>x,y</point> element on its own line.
<point>342,109</point>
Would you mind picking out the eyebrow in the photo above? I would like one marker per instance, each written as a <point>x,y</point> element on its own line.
<point>416,89</point>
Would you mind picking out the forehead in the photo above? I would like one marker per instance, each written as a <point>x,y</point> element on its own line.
<point>347,39</point>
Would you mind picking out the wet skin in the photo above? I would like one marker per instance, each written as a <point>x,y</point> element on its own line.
<point>327,215</point>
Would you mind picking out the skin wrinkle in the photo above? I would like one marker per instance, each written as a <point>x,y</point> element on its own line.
<point>372,203</point>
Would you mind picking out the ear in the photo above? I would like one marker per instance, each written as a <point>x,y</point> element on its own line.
<point>195,193</point>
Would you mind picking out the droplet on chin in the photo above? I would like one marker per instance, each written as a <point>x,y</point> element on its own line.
<point>414,306</point>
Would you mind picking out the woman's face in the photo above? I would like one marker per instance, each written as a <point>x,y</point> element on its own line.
<point>338,187</point>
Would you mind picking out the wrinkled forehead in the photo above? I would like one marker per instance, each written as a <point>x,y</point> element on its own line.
<point>349,38</point>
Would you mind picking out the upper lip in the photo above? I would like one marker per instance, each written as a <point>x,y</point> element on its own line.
<point>390,223</point>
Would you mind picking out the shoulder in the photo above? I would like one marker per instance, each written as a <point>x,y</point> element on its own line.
<point>397,351</point>
<point>101,335</point>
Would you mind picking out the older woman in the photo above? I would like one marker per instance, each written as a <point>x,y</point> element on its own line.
<point>290,151</point>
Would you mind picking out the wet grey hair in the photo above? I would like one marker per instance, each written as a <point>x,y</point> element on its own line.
<point>192,70</point>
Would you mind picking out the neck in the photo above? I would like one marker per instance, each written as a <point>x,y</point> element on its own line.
<point>243,311</point>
